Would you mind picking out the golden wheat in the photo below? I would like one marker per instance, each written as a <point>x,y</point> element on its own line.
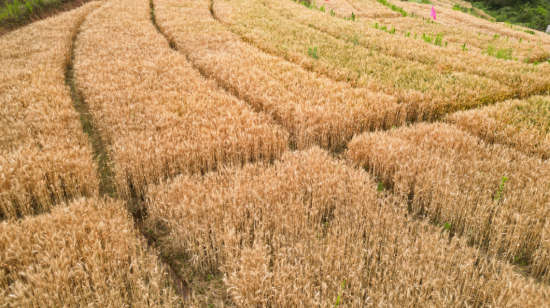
<point>522,124</point>
<point>524,79</point>
<point>426,92</point>
<point>495,197</point>
<point>309,231</point>
<point>45,157</point>
<point>159,116</point>
<point>82,254</point>
<point>314,109</point>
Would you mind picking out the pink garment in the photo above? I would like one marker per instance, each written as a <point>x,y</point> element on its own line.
<point>433,13</point>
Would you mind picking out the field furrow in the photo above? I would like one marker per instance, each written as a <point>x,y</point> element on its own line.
<point>315,110</point>
<point>310,231</point>
<point>523,79</point>
<point>157,114</point>
<point>427,93</point>
<point>495,197</point>
<point>521,124</point>
<point>45,157</point>
<point>85,253</point>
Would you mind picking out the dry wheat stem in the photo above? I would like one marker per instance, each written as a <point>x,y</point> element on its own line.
<point>495,197</point>
<point>426,93</point>
<point>521,124</point>
<point>290,234</point>
<point>84,253</point>
<point>157,114</point>
<point>523,79</point>
<point>45,158</point>
<point>314,109</point>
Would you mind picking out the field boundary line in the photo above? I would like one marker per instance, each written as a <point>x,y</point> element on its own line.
<point>105,173</point>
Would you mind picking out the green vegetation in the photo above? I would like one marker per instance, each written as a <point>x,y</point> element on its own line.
<point>18,9</point>
<point>501,188</point>
<point>313,52</point>
<point>534,14</point>
<point>502,53</point>
<point>393,7</point>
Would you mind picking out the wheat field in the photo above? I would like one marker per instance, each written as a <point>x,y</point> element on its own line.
<point>340,153</point>
<point>45,157</point>
<point>461,29</point>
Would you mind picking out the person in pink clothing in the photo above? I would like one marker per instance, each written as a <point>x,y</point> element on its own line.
<point>433,13</point>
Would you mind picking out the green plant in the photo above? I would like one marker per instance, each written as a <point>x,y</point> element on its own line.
<point>313,52</point>
<point>322,9</point>
<point>427,38</point>
<point>501,188</point>
<point>29,6</point>
<point>340,295</point>
<point>502,53</point>
<point>380,186</point>
<point>439,40</point>
<point>393,7</point>
<point>332,13</point>
<point>464,48</point>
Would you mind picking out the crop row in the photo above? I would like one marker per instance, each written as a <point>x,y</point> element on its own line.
<point>426,92</point>
<point>45,157</point>
<point>521,124</point>
<point>311,231</point>
<point>343,9</point>
<point>450,18</point>
<point>524,79</point>
<point>495,197</point>
<point>465,35</point>
<point>157,114</point>
<point>84,253</point>
<point>313,108</point>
